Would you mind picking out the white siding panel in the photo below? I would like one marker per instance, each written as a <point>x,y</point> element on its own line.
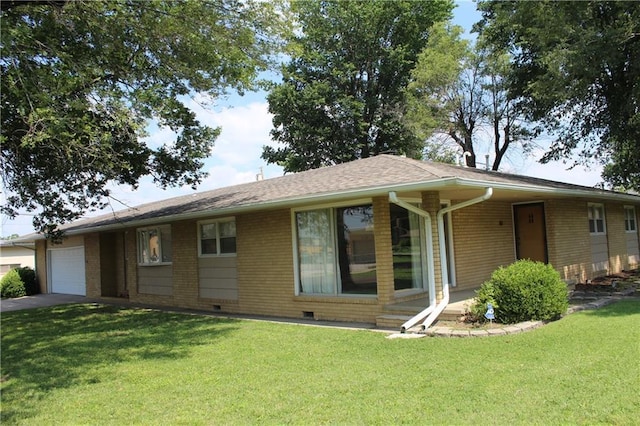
<point>218,277</point>
<point>155,280</point>
<point>633,251</point>
<point>219,293</point>
<point>211,273</point>
<point>599,254</point>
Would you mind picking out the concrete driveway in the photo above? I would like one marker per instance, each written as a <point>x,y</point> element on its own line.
<point>39,300</point>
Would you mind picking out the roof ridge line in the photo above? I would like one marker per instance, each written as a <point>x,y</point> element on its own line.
<point>419,164</point>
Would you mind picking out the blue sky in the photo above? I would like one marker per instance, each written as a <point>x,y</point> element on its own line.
<point>246,123</point>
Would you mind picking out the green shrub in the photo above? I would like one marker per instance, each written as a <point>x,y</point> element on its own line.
<point>479,307</point>
<point>523,291</point>
<point>28,277</point>
<point>11,285</point>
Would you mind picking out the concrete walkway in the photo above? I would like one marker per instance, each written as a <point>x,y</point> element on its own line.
<point>39,301</point>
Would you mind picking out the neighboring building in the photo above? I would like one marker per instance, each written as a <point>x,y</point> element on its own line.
<point>346,242</point>
<point>16,255</point>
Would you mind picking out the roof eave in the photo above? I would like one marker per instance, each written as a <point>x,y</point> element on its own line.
<point>356,193</point>
<point>587,193</point>
<point>284,202</point>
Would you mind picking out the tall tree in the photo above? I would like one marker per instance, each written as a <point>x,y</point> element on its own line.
<point>342,94</point>
<point>576,67</point>
<point>458,90</point>
<point>82,79</point>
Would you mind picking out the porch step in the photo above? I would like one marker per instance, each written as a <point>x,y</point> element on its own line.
<point>391,321</point>
<point>396,320</point>
<point>450,315</point>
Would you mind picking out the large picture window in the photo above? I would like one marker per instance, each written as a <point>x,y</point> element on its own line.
<point>335,251</point>
<point>217,237</point>
<point>154,245</point>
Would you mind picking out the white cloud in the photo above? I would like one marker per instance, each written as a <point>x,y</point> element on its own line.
<point>245,130</point>
<point>235,157</point>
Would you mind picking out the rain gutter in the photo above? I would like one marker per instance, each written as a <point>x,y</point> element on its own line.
<point>430,263</point>
<point>443,253</point>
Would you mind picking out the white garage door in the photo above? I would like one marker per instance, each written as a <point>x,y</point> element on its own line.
<point>67,271</point>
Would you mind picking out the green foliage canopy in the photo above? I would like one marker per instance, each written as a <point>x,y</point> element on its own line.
<point>458,88</point>
<point>82,79</point>
<point>342,94</point>
<point>575,65</point>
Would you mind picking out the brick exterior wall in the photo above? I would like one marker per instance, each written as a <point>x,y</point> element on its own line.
<point>568,239</point>
<point>92,259</point>
<point>41,265</point>
<point>265,263</point>
<point>483,241</point>
<point>483,237</point>
<point>131,265</point>
<point>384,255</point>
<point>185,264</point>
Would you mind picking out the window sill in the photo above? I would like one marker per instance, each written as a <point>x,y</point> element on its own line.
<point>408,292</point>
<point>359,299</point>
<point>156,264</point>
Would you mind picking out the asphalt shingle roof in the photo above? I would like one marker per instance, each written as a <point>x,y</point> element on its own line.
<point>374,172</point>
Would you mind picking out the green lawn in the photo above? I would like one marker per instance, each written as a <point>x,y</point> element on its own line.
<point>88,364</point>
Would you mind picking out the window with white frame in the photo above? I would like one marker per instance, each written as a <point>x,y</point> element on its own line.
<point>154,245</point>
<point>217,237</point>
<point>630,224</point>
<point>336,251</point>
<point>597,224</point>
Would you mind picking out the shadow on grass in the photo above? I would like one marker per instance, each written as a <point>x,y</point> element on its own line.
<point>72,345</point>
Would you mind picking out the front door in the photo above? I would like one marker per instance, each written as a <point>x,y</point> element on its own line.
<point>531,241</point>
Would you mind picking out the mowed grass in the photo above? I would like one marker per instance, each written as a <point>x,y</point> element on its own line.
<point>94,364</point>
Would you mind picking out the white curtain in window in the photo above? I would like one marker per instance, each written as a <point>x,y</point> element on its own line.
<point>416,250</point>
<point>316,254</point>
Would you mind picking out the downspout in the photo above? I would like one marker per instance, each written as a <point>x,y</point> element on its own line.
<point>443,254</point>
<point>430,264</point>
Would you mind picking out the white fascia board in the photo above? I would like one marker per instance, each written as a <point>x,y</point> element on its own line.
<point>596,193</point>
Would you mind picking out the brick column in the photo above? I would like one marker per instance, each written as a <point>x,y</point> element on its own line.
<point>384,254</point>
<point>185,263</point>
<point>431,204</point>
<point>131,262</point>
<point>92,265</point>
<point>41,265</point>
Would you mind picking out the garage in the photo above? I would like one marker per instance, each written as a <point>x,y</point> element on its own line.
<point>66,271</point>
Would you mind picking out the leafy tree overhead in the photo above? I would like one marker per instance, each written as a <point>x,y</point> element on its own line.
<point>342,94</point>
<point>81,80</point>
<point>575,66</point>
<point>459,91</point>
